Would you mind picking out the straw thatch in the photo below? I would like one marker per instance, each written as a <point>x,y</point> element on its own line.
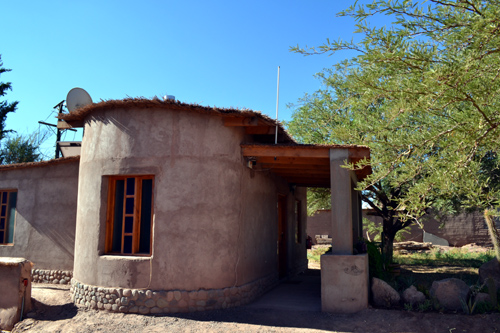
<point>78,116</point>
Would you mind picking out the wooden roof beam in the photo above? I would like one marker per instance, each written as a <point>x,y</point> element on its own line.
<point>355,153</point>
<point>261,130</point>
<point>284,151</point>
<point>241,121</point>
<point>308,182</point>
<point>278,166</point>
<point>279,160</point>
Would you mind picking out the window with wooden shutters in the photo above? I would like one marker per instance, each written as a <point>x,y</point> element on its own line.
<point>130,215</point>
<point>8,200</point>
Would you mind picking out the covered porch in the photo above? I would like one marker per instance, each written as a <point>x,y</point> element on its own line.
<point>344,276</point>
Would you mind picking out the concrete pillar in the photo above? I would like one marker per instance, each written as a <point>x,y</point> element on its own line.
<point>344,276</point>
<point>355,219</point>
<point>15,290</point>
<point>341,188</point>
<point>344,283</point>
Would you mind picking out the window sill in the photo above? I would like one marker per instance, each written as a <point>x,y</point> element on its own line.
<point>120,257</point>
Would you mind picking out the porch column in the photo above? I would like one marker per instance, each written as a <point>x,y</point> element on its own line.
<point>344,276</point>
<point>340,187</point>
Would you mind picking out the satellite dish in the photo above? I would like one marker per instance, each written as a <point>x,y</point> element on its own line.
<point>77,98</point>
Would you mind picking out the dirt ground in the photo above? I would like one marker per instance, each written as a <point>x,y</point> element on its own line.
<point>54,312</point>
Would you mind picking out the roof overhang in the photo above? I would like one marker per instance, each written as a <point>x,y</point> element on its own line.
<point>302,165</point>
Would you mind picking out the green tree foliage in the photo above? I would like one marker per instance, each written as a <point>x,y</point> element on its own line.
<point>5,107</point>
<point>16,148</point>
<point>22,149</point>
<point>325,117</point>
<point>423,93</point>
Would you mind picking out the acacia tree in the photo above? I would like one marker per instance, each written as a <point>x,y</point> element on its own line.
<point>425,94</point>
<point>326,118</point>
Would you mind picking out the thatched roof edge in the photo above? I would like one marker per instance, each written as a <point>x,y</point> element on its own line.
<point>145,103</point>
<point>39,164</point>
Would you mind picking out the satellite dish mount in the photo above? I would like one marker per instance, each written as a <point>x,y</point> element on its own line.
<point>77,98</point>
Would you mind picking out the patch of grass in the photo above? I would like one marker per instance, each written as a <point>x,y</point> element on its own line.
<point>423,268</point>
<point>315,254</point>
<point>453,257</point>
<point>425,306</point>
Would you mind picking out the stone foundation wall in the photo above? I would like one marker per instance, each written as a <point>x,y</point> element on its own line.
<point>145,301</point>
<point>51,276</point>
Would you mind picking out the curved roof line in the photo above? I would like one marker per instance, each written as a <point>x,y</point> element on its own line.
<point>76,118</point>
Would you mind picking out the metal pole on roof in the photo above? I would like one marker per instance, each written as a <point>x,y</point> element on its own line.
<point>58,136</point>
<point>277,103</point>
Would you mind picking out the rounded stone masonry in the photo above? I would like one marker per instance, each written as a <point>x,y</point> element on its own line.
<point>146,301</point>
<point>51,276</point>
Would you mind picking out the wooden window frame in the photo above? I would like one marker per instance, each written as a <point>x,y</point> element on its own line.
<point>298,221</point>
<point>6,217</point>
<point>110,216</point>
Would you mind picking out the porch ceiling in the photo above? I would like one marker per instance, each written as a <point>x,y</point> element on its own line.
<point>303,165</point>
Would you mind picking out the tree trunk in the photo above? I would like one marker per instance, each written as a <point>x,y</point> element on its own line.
<point>493,231</point>
<point>387,247</point>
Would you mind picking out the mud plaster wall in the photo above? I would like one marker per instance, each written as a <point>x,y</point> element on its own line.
<point>457,230</point>
<point>215,220</point>
<point>44,230</point>
<point>319,224</point>
<point>15,296</point>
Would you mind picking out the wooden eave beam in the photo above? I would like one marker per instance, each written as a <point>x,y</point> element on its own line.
<point>304,175</point>
<point>241,121</point>
<point>260,130</point>
<point>307,182</point>
<point>280,166</point>
<point>279,160</point>
<point>289,151</point>
<point>355,153</point>
<point>301,164</point>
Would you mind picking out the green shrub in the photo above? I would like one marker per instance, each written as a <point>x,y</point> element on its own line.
<point>425,306</point>
<point>375,261</point>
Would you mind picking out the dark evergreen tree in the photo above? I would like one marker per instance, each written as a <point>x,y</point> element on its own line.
<point>5,106</point>
<point>15,148</point>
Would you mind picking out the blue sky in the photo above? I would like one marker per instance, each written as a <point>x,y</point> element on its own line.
<point>214,53</point>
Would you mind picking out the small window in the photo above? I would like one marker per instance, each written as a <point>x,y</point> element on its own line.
<point>298,222</point>
<point>8,200</point>
<point>130,215</point>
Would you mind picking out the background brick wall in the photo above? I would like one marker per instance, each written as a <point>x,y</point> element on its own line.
<point>457,230</point>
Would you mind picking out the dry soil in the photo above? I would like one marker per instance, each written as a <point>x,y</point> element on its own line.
<point>54,312</point>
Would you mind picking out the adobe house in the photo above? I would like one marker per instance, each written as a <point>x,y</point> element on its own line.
<point>188,208</point>
<point>38,214</point>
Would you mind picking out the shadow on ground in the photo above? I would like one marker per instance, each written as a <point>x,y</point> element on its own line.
<point>42,311</point>
<point>294,305</point>
<point>297,304</point>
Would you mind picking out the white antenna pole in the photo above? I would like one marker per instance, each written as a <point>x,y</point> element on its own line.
<point>277,103</point>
